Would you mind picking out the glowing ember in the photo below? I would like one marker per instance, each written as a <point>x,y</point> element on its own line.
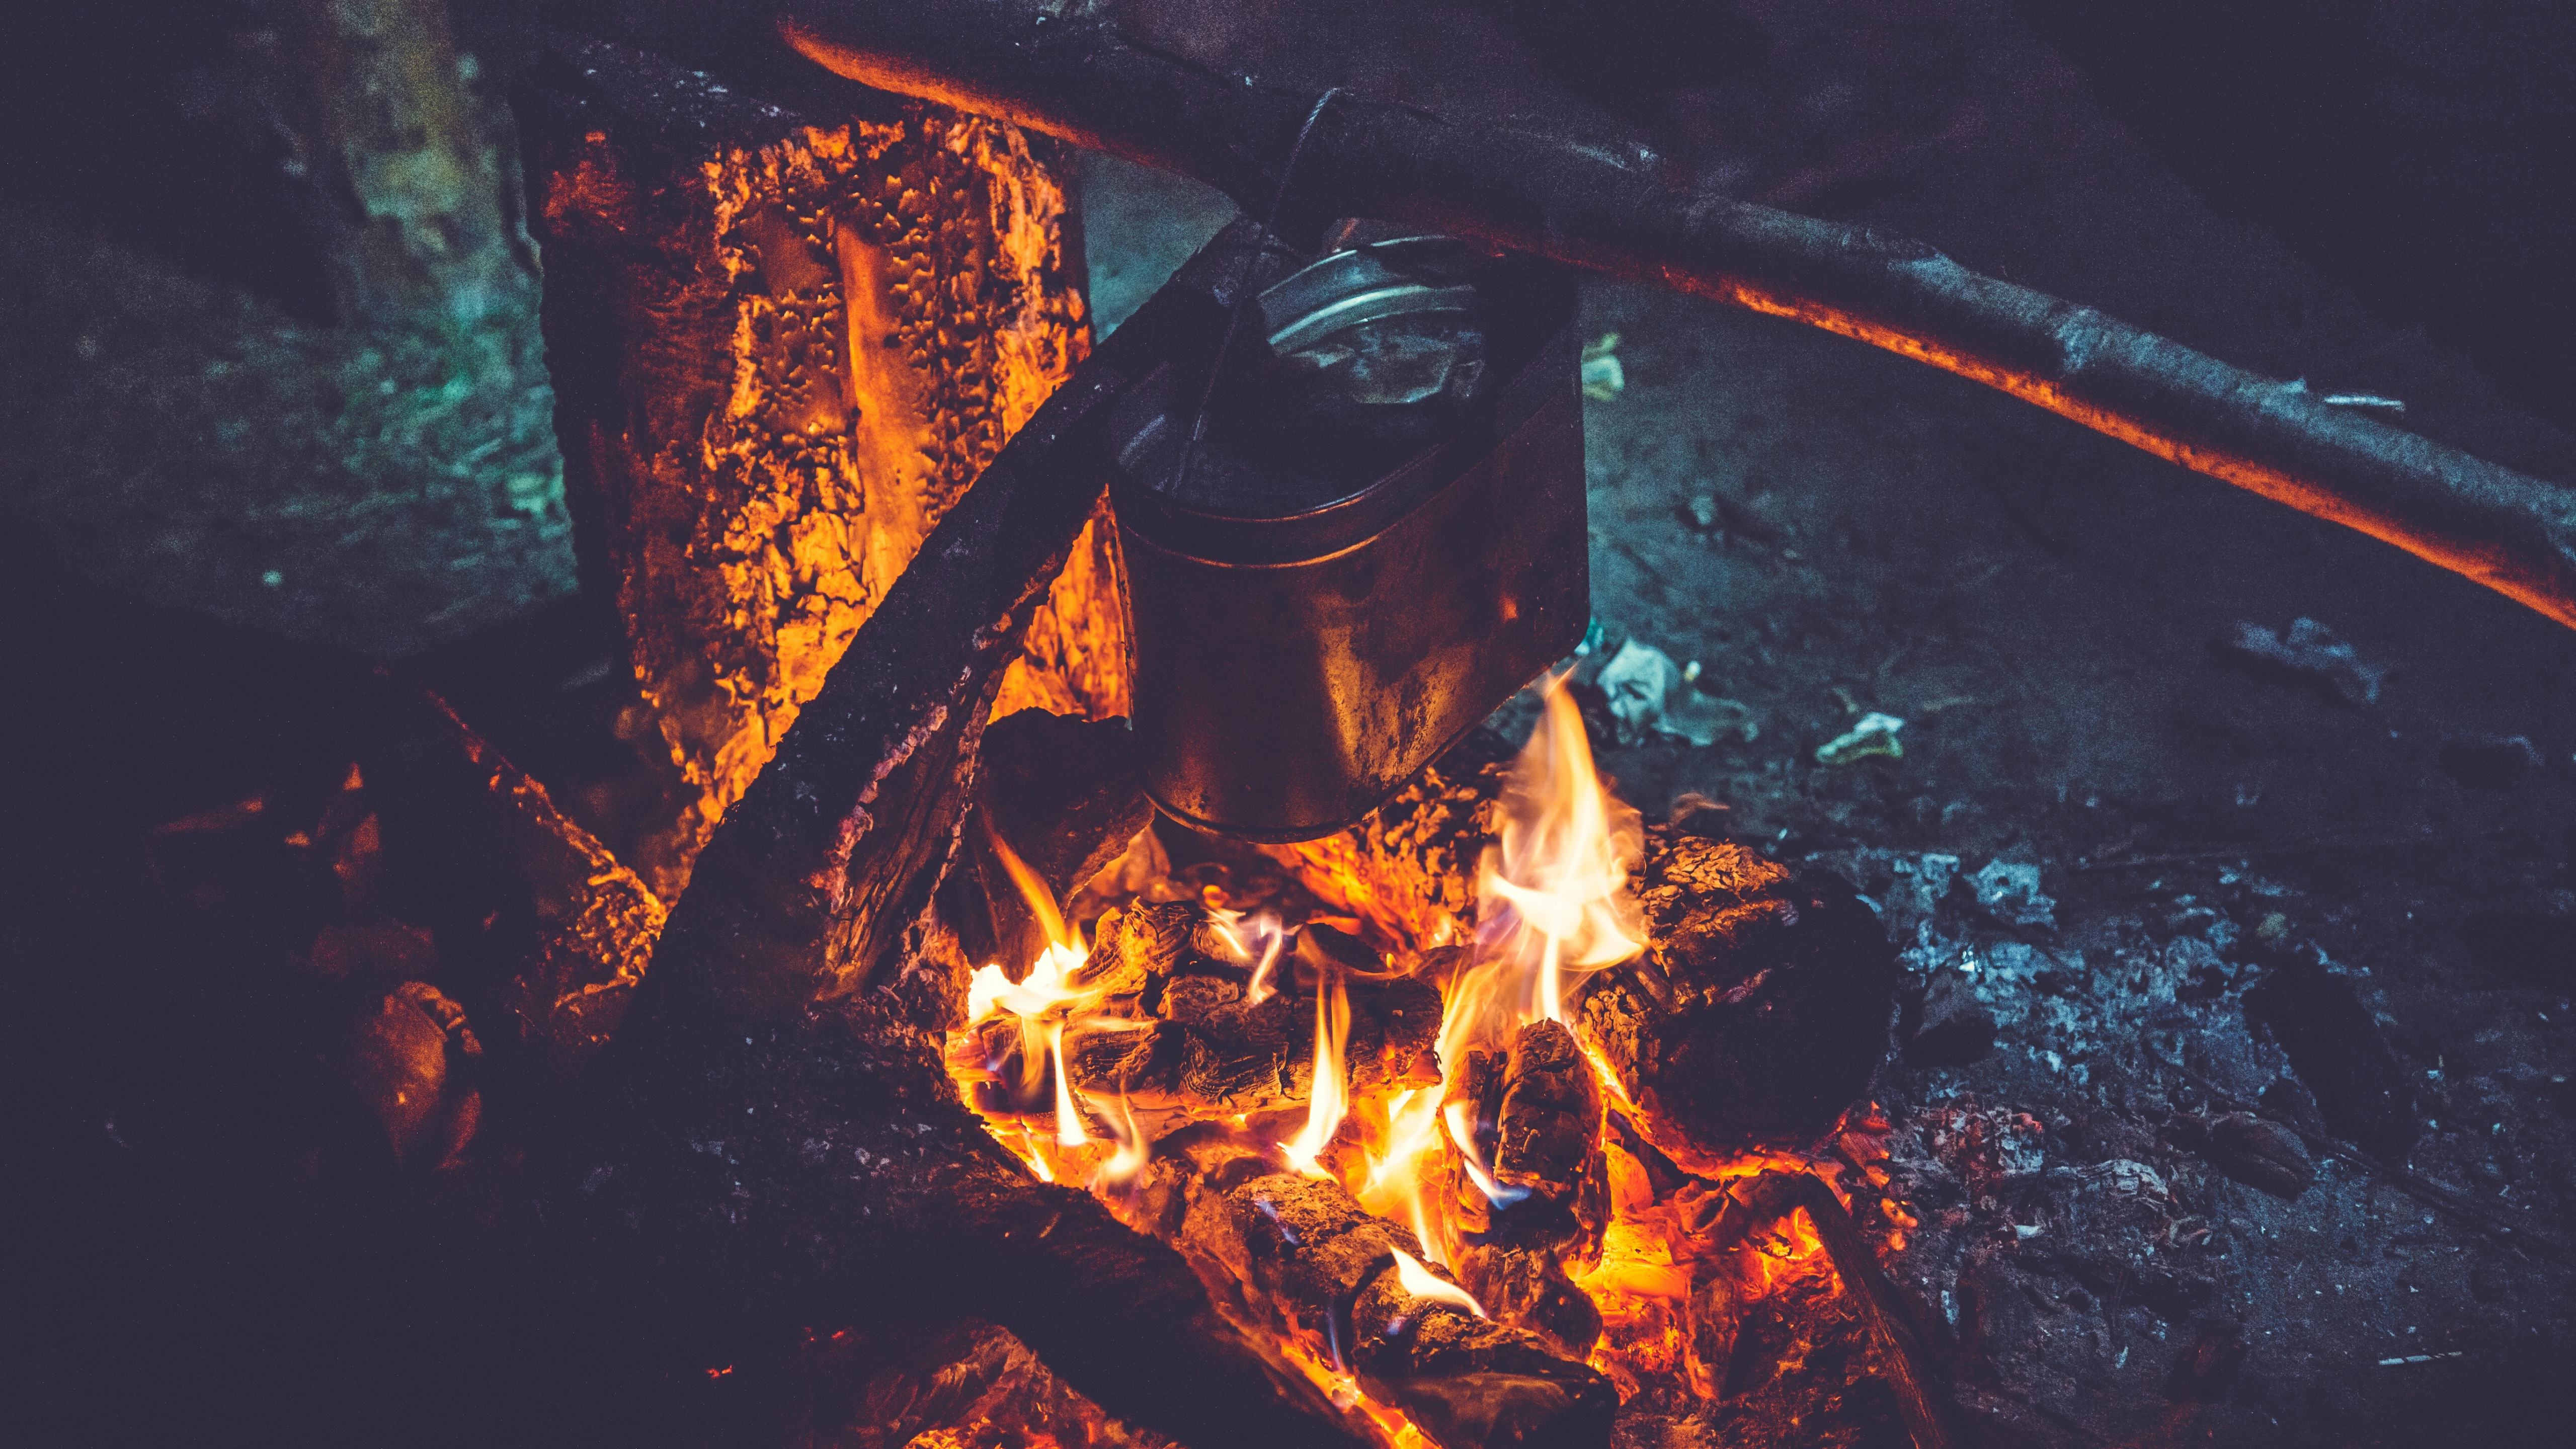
<point>1668,1270</point>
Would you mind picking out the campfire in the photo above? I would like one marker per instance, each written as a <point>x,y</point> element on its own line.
<point>1413,1149</point>
<point>1486,1120</point>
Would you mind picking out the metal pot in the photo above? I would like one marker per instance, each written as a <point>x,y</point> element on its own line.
<point>1374,542</point>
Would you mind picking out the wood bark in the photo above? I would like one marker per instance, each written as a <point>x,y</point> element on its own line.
<point>782,347</point>
<point>1066,71</point>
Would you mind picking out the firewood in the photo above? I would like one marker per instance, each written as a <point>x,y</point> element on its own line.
<point>1328,1268</point>
<point>1757,1012</point>
<point>1616,208</point>
<point>782,346</point>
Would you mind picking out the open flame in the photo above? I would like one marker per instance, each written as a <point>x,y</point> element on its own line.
<point>1553,905</point>
<point>1053,1007</point>
<point>1329,1100</point>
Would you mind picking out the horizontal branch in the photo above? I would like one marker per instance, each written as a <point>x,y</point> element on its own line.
<point>1056,67</point>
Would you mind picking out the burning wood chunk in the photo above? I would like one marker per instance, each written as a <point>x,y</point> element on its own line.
<point>1533,1117</point>
<point>1758,1010</point>
<point>781,350</point>
<point>1356,1284</point>
<point>1756,1013</point>
<point>1174,1026</point>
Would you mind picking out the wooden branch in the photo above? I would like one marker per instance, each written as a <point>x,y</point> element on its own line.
<point>1064,70</point>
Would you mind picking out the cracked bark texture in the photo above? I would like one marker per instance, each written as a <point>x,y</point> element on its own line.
<point>783,346</point>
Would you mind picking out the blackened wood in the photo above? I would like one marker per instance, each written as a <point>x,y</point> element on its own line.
<point>1760,1007</point>
<point>1068,72</point>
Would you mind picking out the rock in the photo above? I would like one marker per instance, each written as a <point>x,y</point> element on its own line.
<point>2314,652</point>
<point>2010,893</point>
<point>2336,1047</point>
<point>2260,1153</point>
<point>1957,1028</point>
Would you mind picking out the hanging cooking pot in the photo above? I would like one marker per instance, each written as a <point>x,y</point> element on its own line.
<point>1362,537</point>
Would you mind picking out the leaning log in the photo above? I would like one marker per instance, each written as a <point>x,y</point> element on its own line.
<point>779,1143</point>
<point>1757,1011</point>
<point>782,346</point>
<point>1067,71</point>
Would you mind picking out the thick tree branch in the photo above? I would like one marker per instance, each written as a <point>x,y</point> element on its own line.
<point>1058,68</point>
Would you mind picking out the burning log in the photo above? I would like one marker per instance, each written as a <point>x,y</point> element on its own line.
<point>1756,1011</point>
<point>1356,1284</point>
<point>1175,1023</point>
<point>1759,1008</point>
<point>1613,209</point>
<point>781,348</point>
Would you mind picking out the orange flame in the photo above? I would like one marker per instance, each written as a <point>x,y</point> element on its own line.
<point>1329,1100</point>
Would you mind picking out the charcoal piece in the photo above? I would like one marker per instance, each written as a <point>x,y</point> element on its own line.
<point>1142,945</point>
<point>415,1062</point>
<point>1758,1010</point>
<point>2336,1047</point>
<point>1328,1267</point>
<point>1534,1115</point>
<point>1548,1130</point>
<point>1239,1057</point>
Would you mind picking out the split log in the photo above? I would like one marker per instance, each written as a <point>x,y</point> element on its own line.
<point>1066,71</point>
<point>782,346</point>
<point>1757,1012</point>
<point>779,1142</point>
<point>1327,1268</point>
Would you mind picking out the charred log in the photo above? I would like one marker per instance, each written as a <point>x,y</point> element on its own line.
<point>1329,1269</point>
<point>782,347</point>
<point>1759,1009</point>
